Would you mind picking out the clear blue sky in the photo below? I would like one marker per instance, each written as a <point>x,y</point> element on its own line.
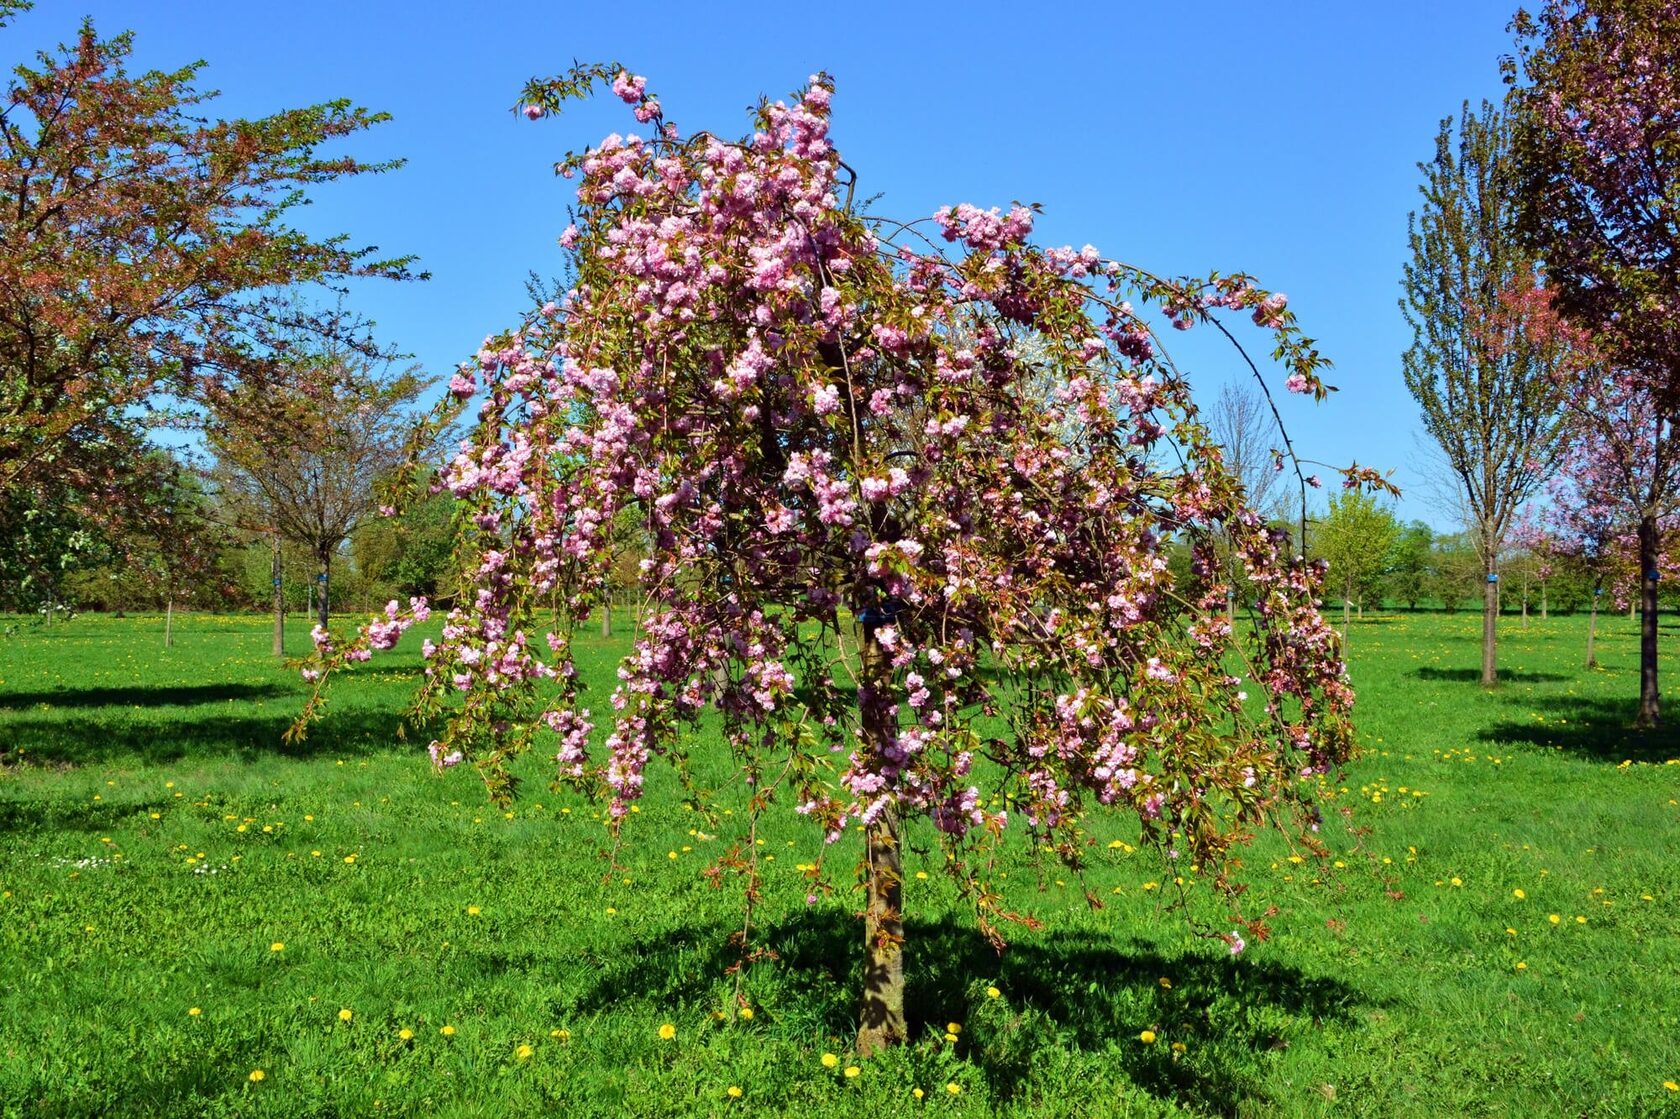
<point>1277,139</point>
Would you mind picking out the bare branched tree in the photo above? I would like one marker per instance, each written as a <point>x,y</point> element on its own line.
<point>299,461</point>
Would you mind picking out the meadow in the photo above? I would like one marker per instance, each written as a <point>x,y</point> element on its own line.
<point>197,919</point>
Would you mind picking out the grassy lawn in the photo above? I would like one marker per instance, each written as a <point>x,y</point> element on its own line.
<point>185,901</point>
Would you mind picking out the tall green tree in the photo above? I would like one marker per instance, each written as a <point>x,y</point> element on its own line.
<point>1483,378</point>
<point>1408,563</point>
<point>1354,539</point>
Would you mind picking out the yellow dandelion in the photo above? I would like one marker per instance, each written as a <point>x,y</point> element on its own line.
<point>1518,893</point>
<point>829,1060</point>
<point>1147,1037</point>
<point>1456,881</point>
<point>523,1053</point>
<point>277,946</point>
<point>953,1028</point>
<point>1178,1047</point>
<point>345,1015</point>
<point>405,1034</point>
<point>993,992</point>
<point>1166,984</point>
<point>1671,1086</point>
<point>1580,920</point>
<point>951,1037</point>
<point>1554,919</point>
<point>257,1076</point>
<point>667,1032</point>
<point>473,911</point>
<point>746,1013</point>
<point>852,1071</point>
<point>954,1088</point>
<point>1521,966</point>
<point>733,1091</point>
<point>194,1012</point>
<point>917,1092</point>
<point>447,1031</point>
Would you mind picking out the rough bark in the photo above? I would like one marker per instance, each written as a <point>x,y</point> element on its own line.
<point>1650,711</point>
<point>1490,630</point>
<point>323,583</point>
<point>1592,631</point>
<point>279,599</point>
<point>881,1020</point>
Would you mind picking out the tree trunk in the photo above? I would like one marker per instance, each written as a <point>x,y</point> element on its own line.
<point>881,1016</point>
<point>323,583</point>
<point>1490,629</point>
<point>1347,605</point>
<point>169,622</point>
<point>279,599</point>
<point>1592,629</point>
<point>1650,712</point>
<point>1542,600</point>
<point>1525,604</point>
<point>606,617</point>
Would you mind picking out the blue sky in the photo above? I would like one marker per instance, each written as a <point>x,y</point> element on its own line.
<point>1276,139</point>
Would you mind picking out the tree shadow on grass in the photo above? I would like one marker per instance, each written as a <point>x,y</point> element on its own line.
<point>80,740</point>
<point>1064,990</point>
<point>1474,676</point>
<point>185,696</point>
<point>1599,729</point>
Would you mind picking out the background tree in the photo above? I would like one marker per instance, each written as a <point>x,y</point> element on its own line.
<point>140,246</point>
<point>868,536</point>
<point>1485,384</point>
<point>1456,574</point>
<point>1355,539</point>
<point>299,458</point>
<point>1242,423</point>
<point>1597,102</point>
<point>1408,563</point>
<point>1623,495</point>
<point>410,553</point>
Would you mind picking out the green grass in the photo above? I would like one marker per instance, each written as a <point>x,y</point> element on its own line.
<point>159,840</point>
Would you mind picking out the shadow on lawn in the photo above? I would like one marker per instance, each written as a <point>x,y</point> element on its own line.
<point>1600,729</point>
<point>144,697</point>
<point>1063,990</point>
<point>1474,676</point>
<point>96,739</point>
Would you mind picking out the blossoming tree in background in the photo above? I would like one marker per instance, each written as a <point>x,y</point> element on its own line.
<point>1596,96</point>
<point>909,580</point>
